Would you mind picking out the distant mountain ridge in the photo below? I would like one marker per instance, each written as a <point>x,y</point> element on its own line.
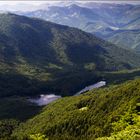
<point>108,21</point>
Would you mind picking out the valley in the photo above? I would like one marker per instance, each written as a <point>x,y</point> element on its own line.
<point>70,71</point>
<point>48,98</point>
<point>27,47</point>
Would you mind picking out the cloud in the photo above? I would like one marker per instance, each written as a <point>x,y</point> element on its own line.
<point>36,2</point>
<point>27,5</point>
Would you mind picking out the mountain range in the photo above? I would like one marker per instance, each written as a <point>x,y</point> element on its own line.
<point>39,57</point>
<point>43,51</point>
<point>117,23</point>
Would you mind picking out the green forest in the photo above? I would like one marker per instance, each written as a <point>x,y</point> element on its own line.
<point>40,57</point>
<point>108,113</point>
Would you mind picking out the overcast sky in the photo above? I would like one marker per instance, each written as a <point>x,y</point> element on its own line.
<point>38,2</point>
<point>28,5</point>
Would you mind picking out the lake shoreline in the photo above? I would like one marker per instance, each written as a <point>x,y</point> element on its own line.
<point>43,99</point>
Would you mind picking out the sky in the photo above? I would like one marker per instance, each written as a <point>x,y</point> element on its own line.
<point>38,2</point>
<point>29,5</point>
<point>26,2</point>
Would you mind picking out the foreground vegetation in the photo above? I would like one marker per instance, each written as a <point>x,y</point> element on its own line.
<point>104,114</point>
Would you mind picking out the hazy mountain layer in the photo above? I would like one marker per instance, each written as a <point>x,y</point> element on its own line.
<point>118,23</point>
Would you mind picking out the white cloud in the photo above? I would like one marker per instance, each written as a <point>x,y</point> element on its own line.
<point>37,2</point>
<point>25,2</point>
<point>28,5</point>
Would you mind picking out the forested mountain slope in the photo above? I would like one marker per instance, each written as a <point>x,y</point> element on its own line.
<point>102,112</point>
<point>35,53</point>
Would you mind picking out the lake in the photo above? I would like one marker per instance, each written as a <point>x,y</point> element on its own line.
<point>48,98</point>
